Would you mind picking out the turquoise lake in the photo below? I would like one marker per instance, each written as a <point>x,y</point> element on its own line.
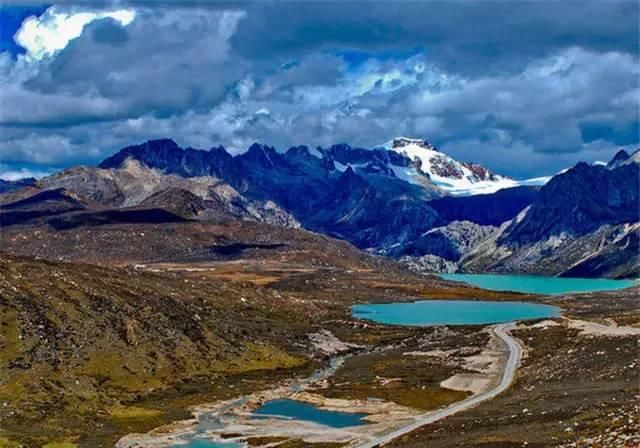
<point>452,312</point>
<point>291,409</point>
<point>538,284</point>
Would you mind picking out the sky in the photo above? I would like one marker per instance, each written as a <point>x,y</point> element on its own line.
<point>524,88</point>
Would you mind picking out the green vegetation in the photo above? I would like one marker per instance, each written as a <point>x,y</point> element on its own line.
<point>60,445</point>
<point>89,353</point>
<point>133,413</point>
<point>83,348</point>
<point>392,376</point>
<point>9,336</point>
<point>259,441</point>
<point>6,443</point>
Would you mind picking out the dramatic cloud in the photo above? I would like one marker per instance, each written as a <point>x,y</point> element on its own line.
<point>525,90</point>
<point>44,35</point>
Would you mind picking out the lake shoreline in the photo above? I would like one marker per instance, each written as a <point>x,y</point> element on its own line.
<point>539,284</point>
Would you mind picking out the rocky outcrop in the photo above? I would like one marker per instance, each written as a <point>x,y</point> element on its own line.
<point>610,251</point>
<point>449,242</point>
<point>619,159</point>
<point>440,249</point>
<point>620,258</point>
<point>429,264</point>
<point>182,202</point>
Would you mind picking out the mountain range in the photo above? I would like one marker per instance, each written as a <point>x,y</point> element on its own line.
<point>406,200</point>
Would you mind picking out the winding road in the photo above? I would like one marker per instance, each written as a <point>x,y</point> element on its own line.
<point>515,354</point>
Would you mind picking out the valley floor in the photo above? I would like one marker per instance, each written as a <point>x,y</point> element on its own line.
<point>578,386</point>
<point>78,369</point>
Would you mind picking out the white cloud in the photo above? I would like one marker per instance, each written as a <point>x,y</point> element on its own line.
<point>44,35</point>
<point>169,61</point>
<point>7,173</point>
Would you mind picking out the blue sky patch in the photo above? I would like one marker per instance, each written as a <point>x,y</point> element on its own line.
<point>11,18</point>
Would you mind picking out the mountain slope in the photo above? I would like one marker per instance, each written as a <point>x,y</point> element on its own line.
<point>132,184</point>
<point>578,202</point>
<point>486,209</point>
<point>449,242</point>
<point>383,200</point>
<point>620,258</point>
<point>78,343</point>
<point>37,206</point>
<point>372,213</point>
<point>579,224</point>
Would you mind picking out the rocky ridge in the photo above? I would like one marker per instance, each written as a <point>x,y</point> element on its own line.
<point>133,184</point>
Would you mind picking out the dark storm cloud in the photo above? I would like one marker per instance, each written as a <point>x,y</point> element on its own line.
<point>110,32</point>
<point>469,37</point>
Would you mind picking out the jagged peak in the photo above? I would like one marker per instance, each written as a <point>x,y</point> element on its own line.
<point>260,148</point>
<point>340,147</point>
<point>620,157</point>
<point>300,150</point>
<point>156,146</point>
<point>349,178</point>
<point>262,154</point>
<point>218,148</point>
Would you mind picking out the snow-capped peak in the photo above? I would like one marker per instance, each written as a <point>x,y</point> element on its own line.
<point>456,178</point>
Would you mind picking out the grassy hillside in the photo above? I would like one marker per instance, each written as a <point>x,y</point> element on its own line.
<point>79,342</point>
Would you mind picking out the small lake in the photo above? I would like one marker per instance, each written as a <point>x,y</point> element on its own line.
<point>298,410</point>
<point>539,284</point>
<point>452,312</point>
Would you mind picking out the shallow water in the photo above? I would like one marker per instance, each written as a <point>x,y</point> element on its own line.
<point>539,284</point>
<point>452,312</point>
<point>297,410</point>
